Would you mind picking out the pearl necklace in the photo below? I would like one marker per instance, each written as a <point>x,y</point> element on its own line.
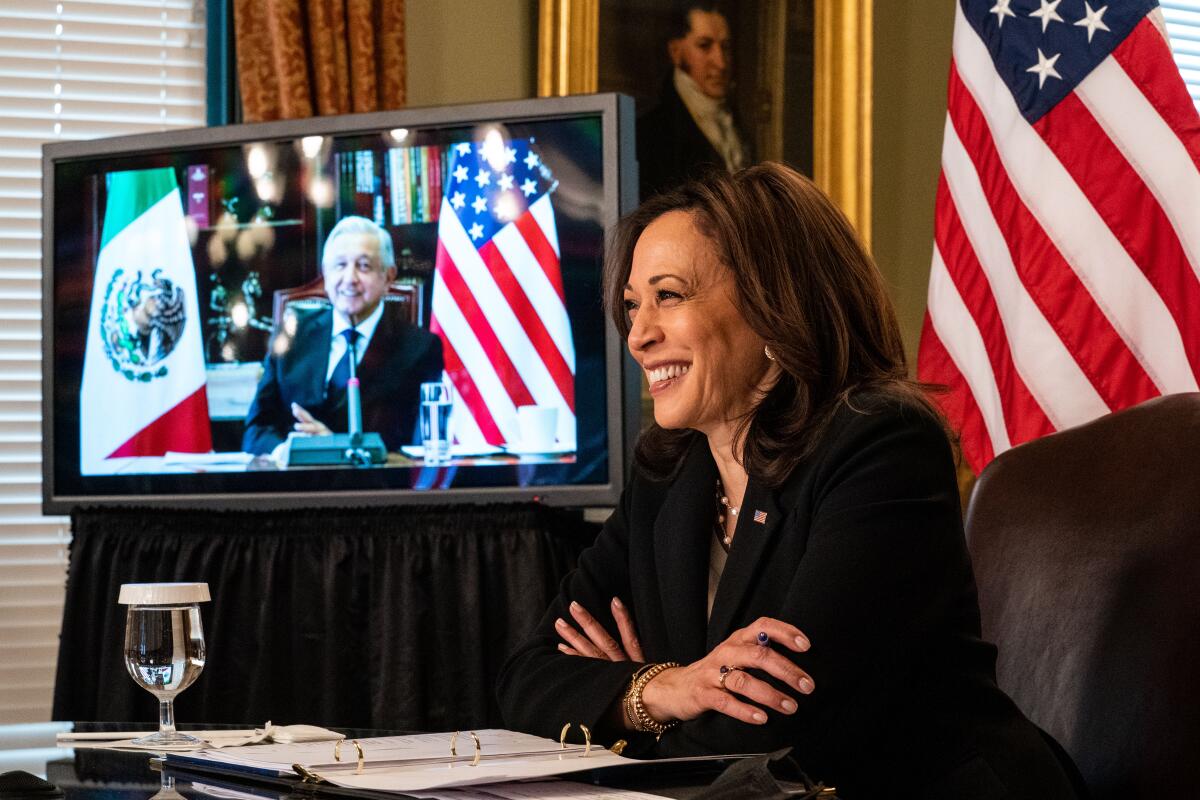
<point>723,504</point>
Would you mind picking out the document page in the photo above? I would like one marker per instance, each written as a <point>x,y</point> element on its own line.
<point>384,752</point>
<point>538,790</point>
<point>417,777</point>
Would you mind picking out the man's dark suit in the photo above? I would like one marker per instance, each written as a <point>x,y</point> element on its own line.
<point>862,549</point>
<point>670,147</point>
<point>398,359</point>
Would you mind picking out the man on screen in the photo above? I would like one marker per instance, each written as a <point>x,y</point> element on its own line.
<point>303,387</point>
<point>692,129</point>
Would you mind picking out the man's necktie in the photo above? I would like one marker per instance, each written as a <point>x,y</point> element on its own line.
<point>341,373</point>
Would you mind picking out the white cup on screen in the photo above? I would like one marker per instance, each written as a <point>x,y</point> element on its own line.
<point>538,427</point>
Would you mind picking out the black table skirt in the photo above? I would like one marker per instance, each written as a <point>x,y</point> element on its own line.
<point>396,617</point>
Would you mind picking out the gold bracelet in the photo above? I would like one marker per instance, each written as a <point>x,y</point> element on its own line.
<point>635,709</point>
<point>627,698</point>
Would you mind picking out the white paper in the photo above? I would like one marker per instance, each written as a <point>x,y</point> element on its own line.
<point>207,459</point>
<point>424,762</point>
<point>418,750</point>
<point>123,740</point>
<point>536,790</point>
<point>418,777</point>
<point>456,450</point>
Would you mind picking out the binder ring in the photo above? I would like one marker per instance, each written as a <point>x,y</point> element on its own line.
<point>337,754</point>
<point>587,738</point>
<point>478,747</point>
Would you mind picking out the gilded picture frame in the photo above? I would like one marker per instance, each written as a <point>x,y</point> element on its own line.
<point>569,58</point>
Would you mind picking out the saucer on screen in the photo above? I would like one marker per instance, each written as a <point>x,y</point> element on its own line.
<point>518,449</point>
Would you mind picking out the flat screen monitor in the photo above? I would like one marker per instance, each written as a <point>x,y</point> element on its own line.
<point>399,307</point>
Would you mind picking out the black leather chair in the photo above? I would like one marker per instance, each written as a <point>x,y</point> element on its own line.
<point>1086,546</point>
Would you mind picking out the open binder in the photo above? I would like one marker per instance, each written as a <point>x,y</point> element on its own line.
<point>399,764</point>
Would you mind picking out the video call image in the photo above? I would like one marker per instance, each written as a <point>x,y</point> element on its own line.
<point>423,303</point>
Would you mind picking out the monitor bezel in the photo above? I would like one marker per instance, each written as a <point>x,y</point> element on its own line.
<point>622,376</point>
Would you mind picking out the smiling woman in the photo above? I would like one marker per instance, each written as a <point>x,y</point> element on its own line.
<point>787,566</point>
<point>685,330</point>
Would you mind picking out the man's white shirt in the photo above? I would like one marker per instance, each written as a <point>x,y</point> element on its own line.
<point>337,342</point>
<point>714,120</point>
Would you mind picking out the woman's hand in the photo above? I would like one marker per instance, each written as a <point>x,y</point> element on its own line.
<point>595,641</point>
<point>687,692</point>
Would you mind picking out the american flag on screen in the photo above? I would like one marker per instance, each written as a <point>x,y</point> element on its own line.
<point>498,301</point>
<point>1067,238</point>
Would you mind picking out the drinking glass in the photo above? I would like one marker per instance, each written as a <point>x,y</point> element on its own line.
<point>436,403</point>
<point>164,648</point>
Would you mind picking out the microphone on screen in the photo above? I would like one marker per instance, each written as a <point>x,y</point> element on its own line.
<point>353,395</point>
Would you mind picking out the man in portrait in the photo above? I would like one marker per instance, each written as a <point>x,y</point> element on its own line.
<point>303,387</point>
<point>692,129</point>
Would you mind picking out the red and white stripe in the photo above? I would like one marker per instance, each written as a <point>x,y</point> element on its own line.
<point>501,314</point>
<point>1066,266</point>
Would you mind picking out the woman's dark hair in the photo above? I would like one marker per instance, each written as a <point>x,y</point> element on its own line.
<point>804,284</point>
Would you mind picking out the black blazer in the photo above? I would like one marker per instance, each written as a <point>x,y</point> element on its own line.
<point>398,359</point>
<point>862,548</point>
<point>671,148</point>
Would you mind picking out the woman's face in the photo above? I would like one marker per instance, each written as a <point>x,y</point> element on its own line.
<point>702,361</point>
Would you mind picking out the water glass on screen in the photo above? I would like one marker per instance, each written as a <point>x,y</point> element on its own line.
<point>164,648</point>
<point>436,402</point>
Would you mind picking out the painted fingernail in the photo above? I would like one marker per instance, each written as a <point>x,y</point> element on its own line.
<point>788,706</point>
<point>806,685</point>
<point>617,603</point>
<point>562,647</point>
<point>802,643</point>
<point>759,717</point>
<point>560,623</point>
<point>574,606</point>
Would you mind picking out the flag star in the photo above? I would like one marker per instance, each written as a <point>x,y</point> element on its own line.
<point>1045,67</point>
<point>531,160</point>
<point>1001,10</point>
<point>461,173</point>
<point>476,231</point>
<point>483,178</point>
<point>464,149</point>
<point>458,200</point>
<point>529,187</point>
<point>1092,20</point>
<point>1047,13</point>
<point>506,181</point>
<point>480,204</point>
<point>510,155</point>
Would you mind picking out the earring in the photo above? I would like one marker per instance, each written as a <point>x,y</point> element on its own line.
<point>767,352</point>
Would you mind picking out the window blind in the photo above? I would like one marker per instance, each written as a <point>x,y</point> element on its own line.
<point>68,70</point>
<point>1183,29</point>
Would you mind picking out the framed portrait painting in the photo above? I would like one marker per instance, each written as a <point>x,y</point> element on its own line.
<point>799,76</point>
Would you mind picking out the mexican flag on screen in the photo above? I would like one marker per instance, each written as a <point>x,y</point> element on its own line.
<point>143,372</point>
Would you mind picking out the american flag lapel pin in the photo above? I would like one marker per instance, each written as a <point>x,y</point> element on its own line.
<point>760,517</point>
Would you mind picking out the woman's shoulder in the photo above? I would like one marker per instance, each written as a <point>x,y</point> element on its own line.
<point>879,408</point>
<point>881,442</point>
<point>893,429</point>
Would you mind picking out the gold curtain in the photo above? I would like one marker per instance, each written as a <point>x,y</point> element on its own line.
<point>304,58</point>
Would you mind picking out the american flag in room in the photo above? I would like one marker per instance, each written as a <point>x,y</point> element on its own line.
<point>498,302</point>
<point>1064,283</point>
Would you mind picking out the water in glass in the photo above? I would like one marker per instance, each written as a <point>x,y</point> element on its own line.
<point>164,653</point>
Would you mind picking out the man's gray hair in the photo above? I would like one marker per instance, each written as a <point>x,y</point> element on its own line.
<point>350,225</point>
